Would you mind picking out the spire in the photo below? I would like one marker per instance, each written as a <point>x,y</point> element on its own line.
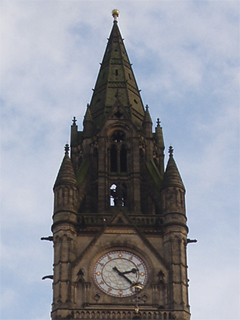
<point>116,81</point>
<point>172,176</point>
<point>66,174</point>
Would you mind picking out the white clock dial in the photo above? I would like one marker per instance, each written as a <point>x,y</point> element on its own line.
<point>117,271</point>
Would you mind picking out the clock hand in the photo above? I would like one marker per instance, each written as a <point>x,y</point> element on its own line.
<point>122,274</point>
<point>131,271</point>
<point>116,269</point>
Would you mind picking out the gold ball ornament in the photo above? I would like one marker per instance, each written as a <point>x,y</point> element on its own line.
<point>115,13</point>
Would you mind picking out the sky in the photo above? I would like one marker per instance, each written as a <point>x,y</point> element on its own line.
<point>185,57</point>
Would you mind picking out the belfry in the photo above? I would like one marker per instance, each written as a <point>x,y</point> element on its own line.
<point>119,222</point>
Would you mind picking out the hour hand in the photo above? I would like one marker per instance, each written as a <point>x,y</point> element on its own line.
<point>116,269</point>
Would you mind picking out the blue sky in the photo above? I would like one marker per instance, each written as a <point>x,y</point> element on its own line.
<point>185,57</point>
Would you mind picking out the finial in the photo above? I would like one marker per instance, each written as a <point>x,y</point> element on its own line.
<point>147,107</point>
<point>74,120</point>
<point>66,148</point>
<point>115,14</point>
<point>158,122</point>
<point>170,151</point>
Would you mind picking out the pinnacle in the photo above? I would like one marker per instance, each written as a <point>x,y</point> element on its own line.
<point>88,115</point>
<point>172,176</point>
<point>147,117</point>
<point>74,120</point>
<point>66,175</point>
<point>170,151</point>
<point>159,134</point>
<point>66,149</point>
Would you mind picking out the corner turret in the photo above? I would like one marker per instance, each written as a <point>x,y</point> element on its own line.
<point>64,232</point>
<point>175,235</point>
<point>65,192</point>
<point>173,190</point>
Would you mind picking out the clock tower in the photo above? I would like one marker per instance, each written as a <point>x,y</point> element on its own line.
<point>119,222</point>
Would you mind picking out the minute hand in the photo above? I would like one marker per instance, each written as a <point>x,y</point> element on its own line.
<point>122,274</point>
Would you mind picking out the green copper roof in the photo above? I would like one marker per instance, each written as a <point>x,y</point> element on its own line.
<point>155,174</point>
<point>82,172</point>
<point>116,83</point>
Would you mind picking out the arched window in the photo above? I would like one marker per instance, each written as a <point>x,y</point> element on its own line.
<point>118,152</point>
<point>113,158</point>
<point>123,159</point>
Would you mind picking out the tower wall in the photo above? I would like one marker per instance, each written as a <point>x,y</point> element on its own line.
<point>175,239</point>
<point>64,237</point>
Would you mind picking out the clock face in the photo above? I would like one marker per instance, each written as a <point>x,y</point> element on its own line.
<point>116,272</point>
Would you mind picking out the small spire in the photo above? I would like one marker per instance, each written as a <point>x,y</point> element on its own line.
<point>147,117</point>
<point>115,14</point>
<point>170,151</point>
<point>159,135</point>
<point>172,176</point>
<point>66,175</point>
<point>74,120</point>
<point>66,148</point>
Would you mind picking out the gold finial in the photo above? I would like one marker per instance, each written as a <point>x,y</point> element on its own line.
<point>137,309</point>
<point>115,14</point>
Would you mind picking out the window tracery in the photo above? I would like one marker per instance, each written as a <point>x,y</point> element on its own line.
<point>118,152</point>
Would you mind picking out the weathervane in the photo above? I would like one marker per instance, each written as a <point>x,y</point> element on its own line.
<point>115,14</point>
